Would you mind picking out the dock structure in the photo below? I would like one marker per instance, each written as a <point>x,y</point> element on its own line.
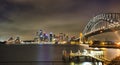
<point>83,57</point>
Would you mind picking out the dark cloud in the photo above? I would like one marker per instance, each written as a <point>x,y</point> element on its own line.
<point>25,17</point>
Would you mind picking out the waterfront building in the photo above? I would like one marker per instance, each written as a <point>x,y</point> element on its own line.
<point>10,41</point>
<point>50,36</point>
<point>17,41</point>
<point>41,35</point>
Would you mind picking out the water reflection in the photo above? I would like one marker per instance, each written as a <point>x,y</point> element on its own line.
<point>87,63</point>
<point>111,53</point>
<point>19,53</point>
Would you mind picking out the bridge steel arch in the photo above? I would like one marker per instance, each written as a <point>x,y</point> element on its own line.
<point>106,19</point>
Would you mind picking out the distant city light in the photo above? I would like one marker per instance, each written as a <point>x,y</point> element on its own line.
<point>118,43</point>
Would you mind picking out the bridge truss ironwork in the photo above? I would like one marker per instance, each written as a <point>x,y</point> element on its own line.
<point>102,23</point>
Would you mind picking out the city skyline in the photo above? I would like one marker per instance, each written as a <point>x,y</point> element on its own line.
<point>26,17</point>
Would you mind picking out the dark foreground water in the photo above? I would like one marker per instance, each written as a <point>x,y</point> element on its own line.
<point>34,54</point>
<point>50,63</point>
<point>37,54</point>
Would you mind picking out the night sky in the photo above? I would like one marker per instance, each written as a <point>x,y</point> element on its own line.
<point>25,17</point>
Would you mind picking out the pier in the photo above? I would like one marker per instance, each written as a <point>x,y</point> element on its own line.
<point>89,55</point>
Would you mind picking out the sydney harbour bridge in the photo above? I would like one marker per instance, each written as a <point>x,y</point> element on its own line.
<point>102,23</point>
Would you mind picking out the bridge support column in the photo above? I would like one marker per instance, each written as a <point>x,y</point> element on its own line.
<point>85,39</point>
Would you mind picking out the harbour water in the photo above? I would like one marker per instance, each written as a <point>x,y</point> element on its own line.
<point>47,54</point>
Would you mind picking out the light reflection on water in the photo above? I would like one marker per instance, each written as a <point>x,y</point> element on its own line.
<point>45,53</point>
<point>87,63</point>
<point>111,53</point>
<point>84,63</point>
